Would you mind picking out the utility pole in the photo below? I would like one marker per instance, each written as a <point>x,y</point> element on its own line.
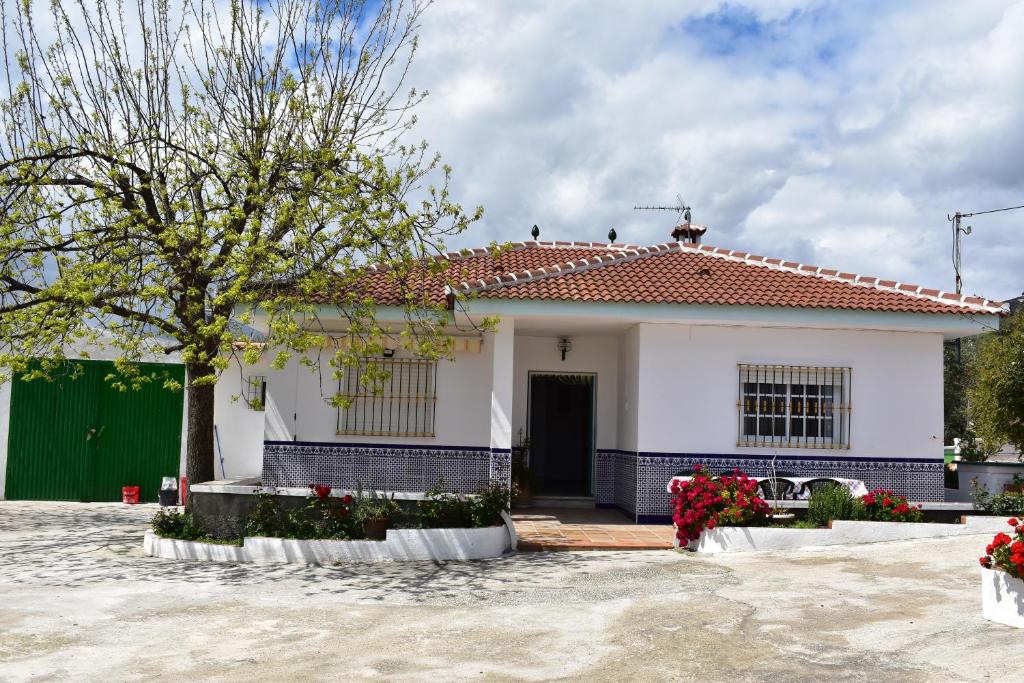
<point>956,219</point>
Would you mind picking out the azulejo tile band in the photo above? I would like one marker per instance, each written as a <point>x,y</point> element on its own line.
<point>917,479</point>
<point>383,466</point>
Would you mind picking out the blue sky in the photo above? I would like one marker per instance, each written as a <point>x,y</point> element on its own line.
<point>832,133</point>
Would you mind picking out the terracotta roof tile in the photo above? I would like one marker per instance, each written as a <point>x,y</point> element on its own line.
<point>664,273</point>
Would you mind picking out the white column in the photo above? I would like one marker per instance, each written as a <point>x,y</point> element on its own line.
<point>502,342</point>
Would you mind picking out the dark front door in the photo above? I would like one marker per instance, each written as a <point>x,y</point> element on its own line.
<point>561,431</point>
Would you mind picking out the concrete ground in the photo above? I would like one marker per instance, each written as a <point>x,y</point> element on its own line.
<point>79,601</point>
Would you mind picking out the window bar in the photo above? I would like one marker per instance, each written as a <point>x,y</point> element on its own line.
<point>432,394</point>
<point>741,399</point>
<point>391,398</point>
<point>408,392</point>
<point>775,405</point>
<point>844,422</point>
<point>416,403</point>
<point>353,408</point>
<point>803,378</point>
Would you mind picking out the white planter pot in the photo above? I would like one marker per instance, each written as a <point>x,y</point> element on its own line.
<point>1002,598</point>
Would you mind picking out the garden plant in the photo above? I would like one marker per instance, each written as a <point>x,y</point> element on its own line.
<point>705,502</point>
<point>348,517</point>
<point>833,502</point>
<point>882,505</point>
<point>1006,552</point>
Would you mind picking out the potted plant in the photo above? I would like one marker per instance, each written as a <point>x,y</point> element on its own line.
<point>1002,577</point>
<point>376,512</point>
<point>703,502</point>
<point>522,477</point>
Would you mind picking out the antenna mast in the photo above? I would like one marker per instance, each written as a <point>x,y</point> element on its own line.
<point>681,209</point>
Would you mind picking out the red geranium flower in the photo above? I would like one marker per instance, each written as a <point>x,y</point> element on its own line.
<point>1013,521</point>
<point>346,499</point>
<point>322,491</point>
<point>986,562</point>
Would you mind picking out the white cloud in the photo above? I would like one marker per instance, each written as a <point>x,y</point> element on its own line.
<point>832,133</point>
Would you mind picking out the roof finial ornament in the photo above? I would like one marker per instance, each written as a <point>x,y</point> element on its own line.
<point>535,232</point>
<point>612,235</point>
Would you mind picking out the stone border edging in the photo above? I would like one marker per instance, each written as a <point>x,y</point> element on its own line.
<point>399,545</point>
<point>752,539</point>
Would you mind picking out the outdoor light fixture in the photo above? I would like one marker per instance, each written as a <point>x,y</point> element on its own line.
<point>564,344</point>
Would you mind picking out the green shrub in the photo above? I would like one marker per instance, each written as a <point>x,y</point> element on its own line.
<point>450,510</point>
<point>833,502</point>
<point>322,517</point>
<point>1009,503</point>
<point>169,523</point>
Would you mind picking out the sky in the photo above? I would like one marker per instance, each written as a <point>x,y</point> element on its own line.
<point>838,134</point>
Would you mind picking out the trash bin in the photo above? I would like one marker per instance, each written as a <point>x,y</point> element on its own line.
<point>168,491</point>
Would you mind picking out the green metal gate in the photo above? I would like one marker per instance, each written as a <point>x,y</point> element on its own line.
<point>81,439</point>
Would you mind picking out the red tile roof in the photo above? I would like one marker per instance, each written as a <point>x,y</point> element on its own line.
<point>671,273</point>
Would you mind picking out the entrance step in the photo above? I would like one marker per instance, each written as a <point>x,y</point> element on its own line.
<point>562,502</point>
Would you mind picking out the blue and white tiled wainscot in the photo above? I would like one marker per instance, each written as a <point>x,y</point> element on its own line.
<point>635,482</point>
<point>916,478</point>
<point>463,469</point>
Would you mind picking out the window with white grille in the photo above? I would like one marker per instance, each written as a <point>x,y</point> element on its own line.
<point>388,397</point>
<point>793,406</point>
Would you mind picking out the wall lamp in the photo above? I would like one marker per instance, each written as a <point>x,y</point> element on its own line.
<point>564,345</point>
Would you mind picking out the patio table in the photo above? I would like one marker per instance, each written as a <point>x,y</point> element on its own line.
<point>856,486</point>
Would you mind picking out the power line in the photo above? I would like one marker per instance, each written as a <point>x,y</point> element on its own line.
<point>978,213</point>
<point>958,231</point>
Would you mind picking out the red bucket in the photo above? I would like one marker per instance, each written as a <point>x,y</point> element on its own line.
<point>130,495</point>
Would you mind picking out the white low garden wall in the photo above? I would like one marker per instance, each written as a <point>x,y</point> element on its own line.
<point>748,539</point>
<point>1002,598</point>
<point>400,544</point>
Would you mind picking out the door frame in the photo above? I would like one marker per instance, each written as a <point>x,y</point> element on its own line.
<point>592,438</point>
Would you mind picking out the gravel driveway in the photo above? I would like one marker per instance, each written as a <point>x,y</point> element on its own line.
<point>79,601</point>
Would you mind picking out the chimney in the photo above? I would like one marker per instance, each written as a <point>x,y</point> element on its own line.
<point>689,233</point>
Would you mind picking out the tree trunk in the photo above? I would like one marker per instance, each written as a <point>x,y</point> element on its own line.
<point>199,448</point>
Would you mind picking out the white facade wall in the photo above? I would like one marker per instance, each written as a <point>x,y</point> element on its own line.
<point>688,386</point>
<point>629,390</point>
<point>597,355</point>
<point>298,408</point>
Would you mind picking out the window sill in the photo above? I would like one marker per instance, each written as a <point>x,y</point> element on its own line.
<point>793,446</point>
<point>424,435</point>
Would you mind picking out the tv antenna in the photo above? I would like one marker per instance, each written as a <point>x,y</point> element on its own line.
<point>681,209</point>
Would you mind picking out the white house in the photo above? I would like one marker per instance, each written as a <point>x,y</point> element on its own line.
<point>623,365</point>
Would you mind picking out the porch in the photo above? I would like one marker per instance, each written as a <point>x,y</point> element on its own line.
<point>551,529</point>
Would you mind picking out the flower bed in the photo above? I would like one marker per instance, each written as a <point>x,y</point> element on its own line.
<point>347,528</point>
<point>1002,577</point>
<point>705,502</point>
